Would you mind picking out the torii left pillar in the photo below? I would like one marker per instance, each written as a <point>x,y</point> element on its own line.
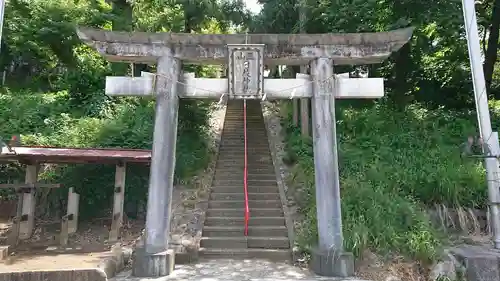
<point>155,259</point>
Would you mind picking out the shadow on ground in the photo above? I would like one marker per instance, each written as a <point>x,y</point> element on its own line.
<point>231,270</point>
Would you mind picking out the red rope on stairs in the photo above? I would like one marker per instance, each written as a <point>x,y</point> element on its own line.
<point>245,171</point>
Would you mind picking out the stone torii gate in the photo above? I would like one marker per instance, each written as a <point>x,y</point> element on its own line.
<point>246,56</point>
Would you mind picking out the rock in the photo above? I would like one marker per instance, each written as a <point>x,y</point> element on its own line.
<point>443,269</point>
<point>4,252</point>
<point>371,260</point>
<point>447,268</point>
<point>393,278</point>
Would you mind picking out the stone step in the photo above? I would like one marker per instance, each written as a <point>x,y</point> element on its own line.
<point>239,149</point>
<point>251,189</point>
<point>251,158</point>
<point>252,137</point>
<point>251,154</point>
<point>241,196</point>
<point>245,242</point>
<point>252,134</point>
<point>254,160</point>
<point>240,221</point>
<point>240,168</point>
<point>262,147</point>
<point>237,115</point>
<point>239,171</point>
<point>237,128</point>
<point>227,182</point>
<point>230,204</point>
<point>239,152</point>
<point>239,146</point>
<point>252,125</point>
<point>270,254</point>
<point>252,169</point>
<point>228,154</point>
<point>237,180</point>
<point>239,175</point>
<point>256,231</point>
<point>253,174</point>
<point>223,164</point>
<point>271,212</point>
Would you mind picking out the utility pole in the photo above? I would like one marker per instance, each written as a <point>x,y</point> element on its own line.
<point>2,12</point>
<point>489,137</point>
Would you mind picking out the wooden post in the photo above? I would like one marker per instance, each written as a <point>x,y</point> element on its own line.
<point>63,235</point>
<point>304,117</point>
<point>155,259</point>
<point>73,208</point>
<point>27,220</point>
<point>69,222</point>
<point>295,110</point>
<point>14,234</point>
<point>118,201</point>
<point>329,259</point>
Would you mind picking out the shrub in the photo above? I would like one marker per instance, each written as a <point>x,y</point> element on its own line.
<point>45,119</point>
<point>392,166</point>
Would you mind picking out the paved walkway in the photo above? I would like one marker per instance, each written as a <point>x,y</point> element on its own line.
<point>233,270</point>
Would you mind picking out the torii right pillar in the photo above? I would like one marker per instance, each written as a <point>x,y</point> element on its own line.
<point>329,258</point>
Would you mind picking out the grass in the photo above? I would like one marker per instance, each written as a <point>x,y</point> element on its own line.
<point>393,166</point>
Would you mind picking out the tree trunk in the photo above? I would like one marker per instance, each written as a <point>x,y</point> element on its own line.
<point>402,64</point>
<point>490,57</point>
<point>400,96</point>
<point>122,21</point>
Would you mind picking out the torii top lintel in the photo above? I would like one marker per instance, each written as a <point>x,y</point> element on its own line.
<point>280,49</point>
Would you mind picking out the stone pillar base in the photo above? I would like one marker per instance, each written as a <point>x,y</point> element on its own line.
<point>153,265</point>
<point>331,264</point>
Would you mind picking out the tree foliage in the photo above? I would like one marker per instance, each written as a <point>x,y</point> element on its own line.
<point>433,68</point>
<point>54,91</point>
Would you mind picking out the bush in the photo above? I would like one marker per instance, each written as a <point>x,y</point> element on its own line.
<point>45,119</point>
<point>393,166</point>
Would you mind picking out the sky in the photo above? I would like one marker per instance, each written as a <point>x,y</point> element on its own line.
<point>253,6</point>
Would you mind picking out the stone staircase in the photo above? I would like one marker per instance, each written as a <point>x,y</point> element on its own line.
<point>223,232</point>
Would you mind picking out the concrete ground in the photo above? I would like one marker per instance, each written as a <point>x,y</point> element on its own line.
<point>233,270</point>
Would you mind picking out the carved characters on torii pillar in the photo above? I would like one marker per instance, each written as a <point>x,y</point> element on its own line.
<point>246,56</point>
